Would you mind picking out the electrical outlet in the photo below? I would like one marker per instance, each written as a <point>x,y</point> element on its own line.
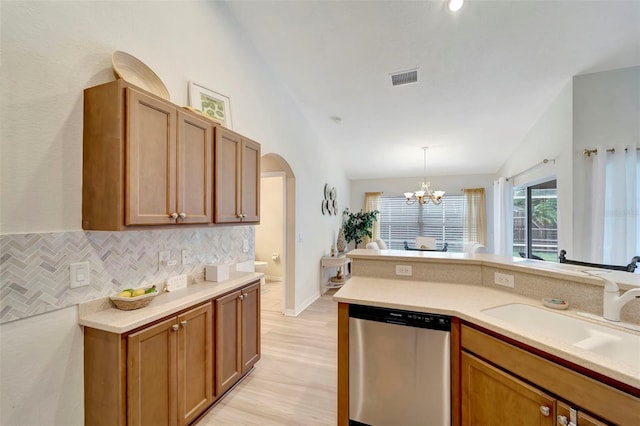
<point>163,257</point>
<point>186,257</point>
<point>245,246</point>
<point>503,279</point>
<point>404,270</point>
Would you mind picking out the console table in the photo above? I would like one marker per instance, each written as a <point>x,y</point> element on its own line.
<point>340,262</point>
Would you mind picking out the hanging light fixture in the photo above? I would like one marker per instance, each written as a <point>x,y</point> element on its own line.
<point>424,194</point>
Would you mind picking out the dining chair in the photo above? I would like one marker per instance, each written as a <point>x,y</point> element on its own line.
<point>425,243</point>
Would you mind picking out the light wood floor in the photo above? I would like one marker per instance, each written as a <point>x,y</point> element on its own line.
<point>295,382</point>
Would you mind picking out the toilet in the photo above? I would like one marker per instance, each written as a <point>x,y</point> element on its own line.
<point>261,266</point>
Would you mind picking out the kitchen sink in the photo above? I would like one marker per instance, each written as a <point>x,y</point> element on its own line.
<point>614,344</point>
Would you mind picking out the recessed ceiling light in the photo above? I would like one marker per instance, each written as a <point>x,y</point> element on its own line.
<point>455,5</point>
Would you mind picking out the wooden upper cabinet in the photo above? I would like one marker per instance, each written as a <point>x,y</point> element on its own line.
<point>150,159</point>
<point>194,170</point>
<point>237,178</point>
<point>146,161</point>
<point>227,176</point>
<point>250,177</point>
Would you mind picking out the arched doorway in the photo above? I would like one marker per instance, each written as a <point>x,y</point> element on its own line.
<point>274,166</point>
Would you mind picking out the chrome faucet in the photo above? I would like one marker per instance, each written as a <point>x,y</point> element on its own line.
<point>612,300</point>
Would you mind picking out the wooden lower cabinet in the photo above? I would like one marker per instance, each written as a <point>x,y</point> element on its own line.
<point>172,371</point>
<point>493,397</point>
<point>250,326</point>
<point>237,335</point>
<point>568,416</point>
<point>152,375</point>
<point>169,374</point>
<point>195,362</point>
<point>506,384</point>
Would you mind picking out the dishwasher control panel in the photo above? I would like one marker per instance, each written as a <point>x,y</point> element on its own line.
<point>401,317</point>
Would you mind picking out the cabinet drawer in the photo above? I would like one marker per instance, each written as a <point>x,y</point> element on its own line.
<point>596,397</point>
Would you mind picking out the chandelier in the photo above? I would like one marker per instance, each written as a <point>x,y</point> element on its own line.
<point>424,194</point>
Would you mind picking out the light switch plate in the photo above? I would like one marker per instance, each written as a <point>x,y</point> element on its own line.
<point>79,274</point>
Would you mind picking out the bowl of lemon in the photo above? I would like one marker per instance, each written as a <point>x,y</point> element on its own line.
<point>130,299</point>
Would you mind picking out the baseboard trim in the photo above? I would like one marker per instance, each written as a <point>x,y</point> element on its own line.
<point>301,307</point>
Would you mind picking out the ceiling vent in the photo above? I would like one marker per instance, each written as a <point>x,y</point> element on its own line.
<point>404,77</point>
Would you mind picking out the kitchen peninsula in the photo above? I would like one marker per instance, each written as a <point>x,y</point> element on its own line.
<point>548,375</point>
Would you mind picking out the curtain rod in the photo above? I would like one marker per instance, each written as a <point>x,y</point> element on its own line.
<point>588,152</point>
<point>545,161</point>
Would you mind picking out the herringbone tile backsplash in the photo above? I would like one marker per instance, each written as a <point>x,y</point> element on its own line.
<point>34,268</point>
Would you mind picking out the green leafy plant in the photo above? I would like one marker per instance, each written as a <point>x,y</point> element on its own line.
<point>358,225</point>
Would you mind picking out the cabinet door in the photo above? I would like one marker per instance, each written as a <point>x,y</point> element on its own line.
<point>493,397</point>
<point>195,362</point>
<point>250,326</point>
<point>228,335</point>
<point>150,160</point>
<point>580,418</point>
<point>194,165</point>
<point>227,176</point>
<point>250,206</point>
<point>151,375</point>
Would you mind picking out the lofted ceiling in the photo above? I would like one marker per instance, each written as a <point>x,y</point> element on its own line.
<point>486,73</point>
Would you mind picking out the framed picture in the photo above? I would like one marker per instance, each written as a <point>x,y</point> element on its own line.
<point>213,104</point>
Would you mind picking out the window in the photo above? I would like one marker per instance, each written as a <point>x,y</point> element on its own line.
<point>400,222</point>
<point>535,221</point>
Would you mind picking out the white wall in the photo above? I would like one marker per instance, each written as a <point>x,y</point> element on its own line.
<point>451,184</point>
<point>269,234</point>
<point>41,370</point>
<point>606,113</point>
<point>51,51</point>
<point>550,138</point>
<point>591,110</point>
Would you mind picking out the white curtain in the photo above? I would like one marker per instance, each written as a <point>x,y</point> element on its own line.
<point>616,206</point>
<point>503,217</point>
<point>476,216</point>
<point>598,180</point>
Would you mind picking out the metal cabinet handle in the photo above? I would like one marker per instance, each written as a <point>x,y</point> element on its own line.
<point>175,327</point>
<point>241,297</point>
<point>545,410</point>
<point>183,323</point>
<point>173,215</point>
<point>563,421</point>
<point>182,215</point>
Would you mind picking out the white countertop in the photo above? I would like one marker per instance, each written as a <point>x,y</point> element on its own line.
<point>467,303</point>
<point>531,266</point>
<point>101,314</point>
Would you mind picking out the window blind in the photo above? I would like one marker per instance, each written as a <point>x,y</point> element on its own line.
<point>400,222</point>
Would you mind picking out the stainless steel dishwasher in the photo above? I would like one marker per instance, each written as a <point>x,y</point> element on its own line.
<point>399,367</point>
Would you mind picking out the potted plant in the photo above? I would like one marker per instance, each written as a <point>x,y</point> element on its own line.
<point>358,225</point>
